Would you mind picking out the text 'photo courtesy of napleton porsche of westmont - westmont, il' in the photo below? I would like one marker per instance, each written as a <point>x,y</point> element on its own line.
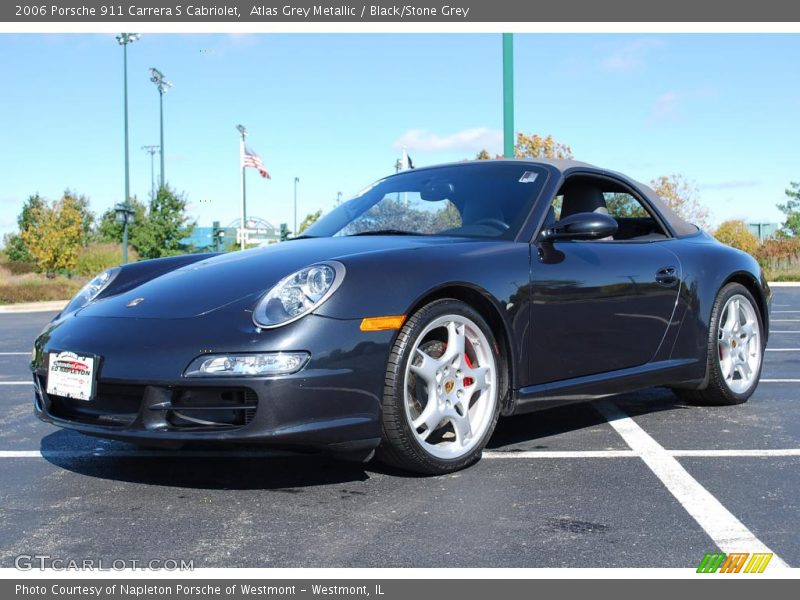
<point>353,302</point>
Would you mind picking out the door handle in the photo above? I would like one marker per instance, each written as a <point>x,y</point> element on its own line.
<point>667,276</point>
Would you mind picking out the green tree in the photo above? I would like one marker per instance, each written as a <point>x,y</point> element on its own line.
<point>446,218</point>
<point>81,204</point>
<point>792,209</point>
<point>166,226</point>
<point>55,234</point>
<point>681,196</point>
<point>624,206</point>
<point>15,247</point>
<point>308,221</point>
<point>109,230</point>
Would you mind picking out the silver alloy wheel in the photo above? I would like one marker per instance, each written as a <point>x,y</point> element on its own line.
<point>450,387</point>
<point>739,345</point>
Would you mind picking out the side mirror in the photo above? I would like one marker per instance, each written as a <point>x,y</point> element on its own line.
<point>581,226</point>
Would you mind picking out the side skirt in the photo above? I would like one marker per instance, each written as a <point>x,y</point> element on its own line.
<point>676,372</point>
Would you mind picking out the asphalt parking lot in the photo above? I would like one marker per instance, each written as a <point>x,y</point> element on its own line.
<point>639,480</point>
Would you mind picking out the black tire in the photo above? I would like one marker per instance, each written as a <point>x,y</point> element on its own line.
<point>400,447</point>
<point>717,392</point>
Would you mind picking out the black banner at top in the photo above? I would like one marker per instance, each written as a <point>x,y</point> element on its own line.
<point>373,11</point>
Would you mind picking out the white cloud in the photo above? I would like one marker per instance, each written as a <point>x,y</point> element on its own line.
<point>466,140</point>
<point>630,56</point>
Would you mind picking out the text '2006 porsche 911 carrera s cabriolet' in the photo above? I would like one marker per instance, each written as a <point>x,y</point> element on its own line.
<point>407,320</point>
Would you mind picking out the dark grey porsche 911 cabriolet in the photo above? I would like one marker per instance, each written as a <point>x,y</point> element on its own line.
<point>410,318</point>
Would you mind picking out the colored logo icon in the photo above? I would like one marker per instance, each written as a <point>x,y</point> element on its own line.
<point>737,562</point>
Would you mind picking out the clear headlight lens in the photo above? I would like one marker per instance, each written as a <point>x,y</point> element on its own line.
<point>92,289</point>
<point>298,294</point>
<point>266,363</point>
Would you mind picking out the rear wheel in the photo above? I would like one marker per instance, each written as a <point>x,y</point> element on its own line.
<point>735,349</point>
<point>442,390</point>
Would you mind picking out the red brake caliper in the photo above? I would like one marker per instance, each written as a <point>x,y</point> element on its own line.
<point>468,381</point>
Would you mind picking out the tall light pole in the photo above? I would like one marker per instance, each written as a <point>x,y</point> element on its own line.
<point>124,39</point>
<point>163,86</point>
<point>296,181</point>
<point>151,150</point>
<point>243,132</point>
<point>508,95</point>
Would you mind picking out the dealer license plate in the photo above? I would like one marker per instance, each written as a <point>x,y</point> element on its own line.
<point>71,375</point>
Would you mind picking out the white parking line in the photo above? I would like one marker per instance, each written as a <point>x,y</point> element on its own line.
<point>561,454</point>
<point>785,331</point>
<point>779,381</point>
<point>727,532</point>
<point>736,453</point>
<point>15,353</point>
<point>775,312</point>
<point>783,349</point>
<point>16,382</point>
<point>785,320</point>
<point>743,453</point>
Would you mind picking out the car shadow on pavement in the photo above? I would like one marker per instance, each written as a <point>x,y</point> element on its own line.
<point>571,418</point>
<point>261,471</point>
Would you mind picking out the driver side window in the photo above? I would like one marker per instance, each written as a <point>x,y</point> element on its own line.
<point>585,193</point>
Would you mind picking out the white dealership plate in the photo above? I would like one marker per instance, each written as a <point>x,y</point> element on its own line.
<point>71,375</point>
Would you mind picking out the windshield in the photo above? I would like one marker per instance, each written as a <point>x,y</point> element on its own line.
<point>470,199</point>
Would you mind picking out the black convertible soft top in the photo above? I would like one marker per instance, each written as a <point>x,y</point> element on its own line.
<point>680,226</point>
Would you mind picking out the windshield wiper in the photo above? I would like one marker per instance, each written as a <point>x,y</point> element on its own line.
<point>386,232</point>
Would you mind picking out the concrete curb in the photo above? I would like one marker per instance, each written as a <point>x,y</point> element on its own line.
<point>31,307</point>
<point>784,284</point>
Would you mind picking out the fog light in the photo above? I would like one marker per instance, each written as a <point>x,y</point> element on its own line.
<point>243,365</point>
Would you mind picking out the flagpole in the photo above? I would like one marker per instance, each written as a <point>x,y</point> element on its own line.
<point>243,131</point>
<point>244,199</point>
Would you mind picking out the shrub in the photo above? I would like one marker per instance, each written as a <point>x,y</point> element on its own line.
<point>19,268</point>
<point>36,288</point>
<point>735,233</point>
<point>780,259</point>
<point>776,250</point>
<point>96,258</point>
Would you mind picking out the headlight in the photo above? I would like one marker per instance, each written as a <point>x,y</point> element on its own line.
<point>298,294</point>
<point>265,363</point>
<point>92,289</point>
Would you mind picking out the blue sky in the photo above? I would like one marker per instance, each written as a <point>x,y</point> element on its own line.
<point>335,110</point>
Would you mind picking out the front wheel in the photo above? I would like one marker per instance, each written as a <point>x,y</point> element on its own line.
<point>442,390</point>
<point>735,349</point>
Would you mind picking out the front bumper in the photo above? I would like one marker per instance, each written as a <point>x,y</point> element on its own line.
<point>332,403</point>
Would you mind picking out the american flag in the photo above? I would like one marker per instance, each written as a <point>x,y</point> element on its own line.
<point>252,159</point>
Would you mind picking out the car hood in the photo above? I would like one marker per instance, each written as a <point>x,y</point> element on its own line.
<point>224,280</point>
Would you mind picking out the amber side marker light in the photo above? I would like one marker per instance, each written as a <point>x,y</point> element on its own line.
<point>382,323</point>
